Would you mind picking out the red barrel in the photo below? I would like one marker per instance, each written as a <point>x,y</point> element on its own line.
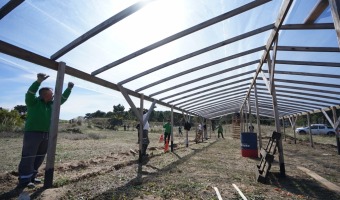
<point>249,145</point>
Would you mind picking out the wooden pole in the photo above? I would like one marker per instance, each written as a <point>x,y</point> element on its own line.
<point>141,127</point>
<point>275,108</point>
<point>250,115</point>
<point>246,115</point>
<point>258,117</point>
<point>53,134</point>
<point>284,127</point>
<point>310,131</point>
<point>336,129</point>
<point>172,129</point>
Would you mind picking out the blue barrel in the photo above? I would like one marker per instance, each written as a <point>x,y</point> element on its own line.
<point>249,145</point>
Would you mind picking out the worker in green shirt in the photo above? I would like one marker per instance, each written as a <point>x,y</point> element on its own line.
<point>37,126</point>
<point>167,131</point>
<point>220,131</point>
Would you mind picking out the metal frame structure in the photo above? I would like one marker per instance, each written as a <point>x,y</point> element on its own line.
<point>266,95</point>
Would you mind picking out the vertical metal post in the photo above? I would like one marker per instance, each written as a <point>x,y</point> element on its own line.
<point>336,129</point>
<point>258,117</point>
<point>53,134</point>
<point>172,128</point>
<point>141,127</point>
<point>310,131</point>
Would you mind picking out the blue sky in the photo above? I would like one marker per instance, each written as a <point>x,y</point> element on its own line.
<point>44,27</point>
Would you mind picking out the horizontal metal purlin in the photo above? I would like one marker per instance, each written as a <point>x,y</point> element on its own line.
<point>210,96</point>
<point>317,26</point>
<point>303,93</point>
<point>308,49</point>
<point>203,95</point>
<point>305,89</point>
<point>219,110</point>
<point>281,108</point>
<point>233,101</point>
<point>211,101</point>
<point>8,7</point>
<point>294,100</point>
<point>309,63</point>
<point>200,67</point>
<point>227,101</point>
<point>220,104</point>
<point>287,102</point>
<point>215,109</point>
<point>308,83</point>
<point>197,107</point>
<point>303,98</point>
<point>213,83</point>
<point>100,27</point>
<point>205,77</point>
<point>183,33</point>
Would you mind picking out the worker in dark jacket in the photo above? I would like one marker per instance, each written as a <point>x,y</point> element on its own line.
<point>37,127</point>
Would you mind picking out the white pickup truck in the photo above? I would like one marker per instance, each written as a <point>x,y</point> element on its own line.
<point>317,129</point>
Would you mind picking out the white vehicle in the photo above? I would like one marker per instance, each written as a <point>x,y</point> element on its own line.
<point>317,129</point>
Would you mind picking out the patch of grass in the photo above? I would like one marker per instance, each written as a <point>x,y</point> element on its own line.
<point>61,182</point>
<point>96,136</point>
<point>76,137</point>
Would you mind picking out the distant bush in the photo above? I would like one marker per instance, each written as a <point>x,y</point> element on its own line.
<point>10,121</point>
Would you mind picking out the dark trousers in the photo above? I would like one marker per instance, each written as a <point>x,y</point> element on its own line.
<point>33,154</point>
<point>166,137</point>
<point>145,141</point>
<point>221,134</point>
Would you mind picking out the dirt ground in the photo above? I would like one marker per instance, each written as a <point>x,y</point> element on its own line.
<point>106,167</point>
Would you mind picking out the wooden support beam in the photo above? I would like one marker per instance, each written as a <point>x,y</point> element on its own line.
<point>53,133</point>
<point>132,105</point>
<point>328,118</point>
<point>172,129</point>
<point>258,117</point>
<point>9,6</point>
<point>316,11</point>
<point>265,80</point>
<point>183,33</point>
<point>281,17</point>
<point>141,127</point>
<point>101,27</point>
<point>320,179</point>
<point>336,124</point>
<point>335,9</point>
<point>310,131</point>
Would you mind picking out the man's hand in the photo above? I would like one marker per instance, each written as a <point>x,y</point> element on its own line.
<point>41,77</point>
<point>70,85</point>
